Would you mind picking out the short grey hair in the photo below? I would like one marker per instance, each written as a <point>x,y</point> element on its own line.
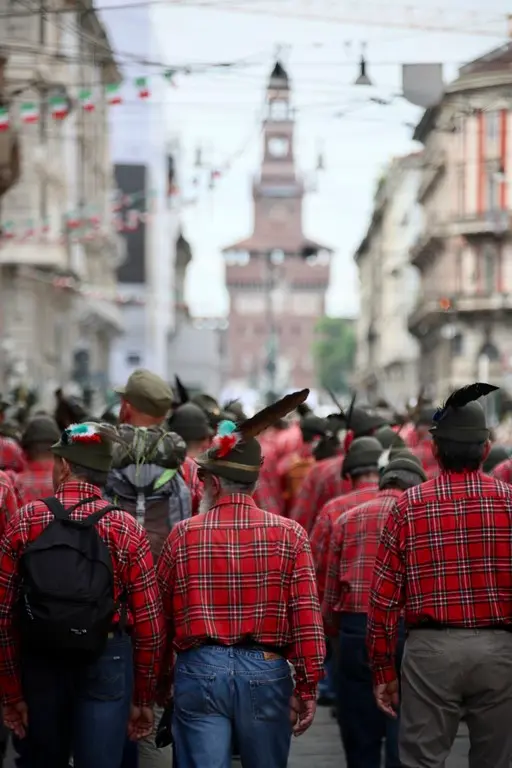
<point>230,487</point>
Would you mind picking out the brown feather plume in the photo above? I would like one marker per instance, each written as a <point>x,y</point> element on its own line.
<point>336,402</point>
<point>181,391</point>
<point>268,416</point>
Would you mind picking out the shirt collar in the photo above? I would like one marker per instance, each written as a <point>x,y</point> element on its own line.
<point>233,500</point>
<point>80,489</point>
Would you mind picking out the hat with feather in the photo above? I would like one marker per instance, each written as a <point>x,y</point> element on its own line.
<point>235,454</point>
<point>86,445</point>
<point>461,418</point>
<point>403,470</point>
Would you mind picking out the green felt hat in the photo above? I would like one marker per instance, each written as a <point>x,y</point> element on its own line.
<point>363,456</point>
<point>42,430</point>
<point>404,469</point>
<point>86,446</point>
<point>148,393</point>
<point>462,419</point>
<point>241,465</point>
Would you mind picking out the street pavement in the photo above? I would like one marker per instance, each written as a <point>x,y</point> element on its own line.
<point>321,747</point>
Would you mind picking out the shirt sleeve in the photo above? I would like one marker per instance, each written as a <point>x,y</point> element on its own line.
<point>11,545</point>
<point>332,585</point>
<point>9,504</point>
<point>304,508</point>
<point>307,650</point>
<point>320,540</point>
<point>146,607</point>
<point>387,597</point>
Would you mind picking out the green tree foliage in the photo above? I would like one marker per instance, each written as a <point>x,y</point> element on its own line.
<point>334,352</point>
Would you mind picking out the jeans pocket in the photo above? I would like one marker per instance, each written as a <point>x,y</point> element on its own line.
<point>193,693</point>
<point>105,680</point>
<point>270,698</point>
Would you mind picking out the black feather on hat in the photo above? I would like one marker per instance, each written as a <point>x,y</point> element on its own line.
<point>462,419</point>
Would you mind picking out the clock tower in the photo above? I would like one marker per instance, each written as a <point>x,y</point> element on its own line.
<point>277,278</point>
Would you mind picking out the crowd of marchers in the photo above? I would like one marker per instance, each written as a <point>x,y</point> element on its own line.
<point>183,585</point>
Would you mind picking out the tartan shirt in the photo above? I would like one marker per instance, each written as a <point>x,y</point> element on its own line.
<point>11,455</point>
<point>240,574</point>
<point>354,543</point>
<point>133,572</point>
<point>423,451</point>
<point>35,482</point>
<point>322,483</point>
<point>444,558</point>
<point>269,493</point>
<point>321,534</point>
<point>9,500</point>
<point>189,474</point>
<point>503,471</point>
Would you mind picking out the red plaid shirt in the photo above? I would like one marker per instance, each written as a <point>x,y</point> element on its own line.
<point>444,558</point>
<point>269,493</point>
<point>9,501</point>
<point>354,543</point>
<point>35,482</point>
<point>11,455</point>
<point>189,474</point>
<point>322,483</point>
<point>133,571</point>
<point>288,440</point>
<point>238,572</point>
<point>503,471</point>
<point>322,530</point>
<point>423,450</point>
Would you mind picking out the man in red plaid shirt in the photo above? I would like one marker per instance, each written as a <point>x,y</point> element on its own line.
<point>191,423</point>
<point>354,543</point>
<point>360,468</point>
<point>36,481</point>
<point>239,595</point>
<point>444,561</point>
<point>57,705</point>
<point>503,471</point>
<point>423,447</point>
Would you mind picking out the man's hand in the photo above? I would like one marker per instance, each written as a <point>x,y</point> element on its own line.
<point>16,718</point>
<point>302,714</point>
<point>140,724</point>
<point>386,696</point>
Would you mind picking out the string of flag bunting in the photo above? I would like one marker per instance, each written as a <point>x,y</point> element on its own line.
<point>87,98</point>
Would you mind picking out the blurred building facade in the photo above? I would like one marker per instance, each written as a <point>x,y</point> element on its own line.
<point>387,353</point>
<point>57,277</point>
<point>462,249</point>
<point>464,255</point>
<point>277,278</point>
<point>146,153</point>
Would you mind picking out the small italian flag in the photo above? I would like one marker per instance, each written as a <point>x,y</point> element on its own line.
<point>59,107</point>
<point>141,83</point>
<point>86,100</point>
<point>29,113</point>
<point>113,95</point>
<point>4,118</point>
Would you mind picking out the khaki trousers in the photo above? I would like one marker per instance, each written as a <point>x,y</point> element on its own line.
<point>149,755</point>
<point>447,674</point>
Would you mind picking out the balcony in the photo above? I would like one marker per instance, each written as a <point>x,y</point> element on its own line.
<point>496,223</point>
<point>433,167</point>
<point>434,310</point>
<point>34,253</point>
<point>426,247</point>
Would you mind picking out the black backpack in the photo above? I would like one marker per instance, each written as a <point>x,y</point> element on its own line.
<point>67,594</point>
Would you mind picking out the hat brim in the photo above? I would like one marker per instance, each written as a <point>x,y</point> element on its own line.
<point>120,390</point>
<point>229,470</point>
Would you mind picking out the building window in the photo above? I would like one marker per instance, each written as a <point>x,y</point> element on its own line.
<point>133,359</point>
<point>492,190</point>
<point>278,109</point>
<point>489,268</point>
<point>491,130</point>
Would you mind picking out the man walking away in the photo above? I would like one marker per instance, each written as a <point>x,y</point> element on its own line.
<point>354,544</point>
<point>81,666</point>
<point>238,586</point>
<point>444,560</point>
<point>36,481</point>
<point>146,480</point>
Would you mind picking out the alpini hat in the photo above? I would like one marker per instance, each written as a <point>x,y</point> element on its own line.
<point>403,468</point>
<point>190,422</point>
<point>363,456</point>
<point>148,393</point>
<point>462,419</point>
<point>388,438</point>
<point>40,429</point>
<point>235,454</point>
<point>86,445</point>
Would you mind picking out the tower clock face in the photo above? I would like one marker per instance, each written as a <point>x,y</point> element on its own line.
<point>278,146</point>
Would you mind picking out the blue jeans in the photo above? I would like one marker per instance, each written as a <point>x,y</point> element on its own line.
<point>363,726</point>
<point>80,711</point>
<point>221,692</point>
<point>327,686</point>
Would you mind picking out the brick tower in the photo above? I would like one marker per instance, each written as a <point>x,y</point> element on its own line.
<point>277,278</point>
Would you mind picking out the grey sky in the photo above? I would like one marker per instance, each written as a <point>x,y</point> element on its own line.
<point>222,113</point>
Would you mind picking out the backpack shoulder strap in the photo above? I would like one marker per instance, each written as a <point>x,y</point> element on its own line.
<point>56,508</point>
<point>95,517</point>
